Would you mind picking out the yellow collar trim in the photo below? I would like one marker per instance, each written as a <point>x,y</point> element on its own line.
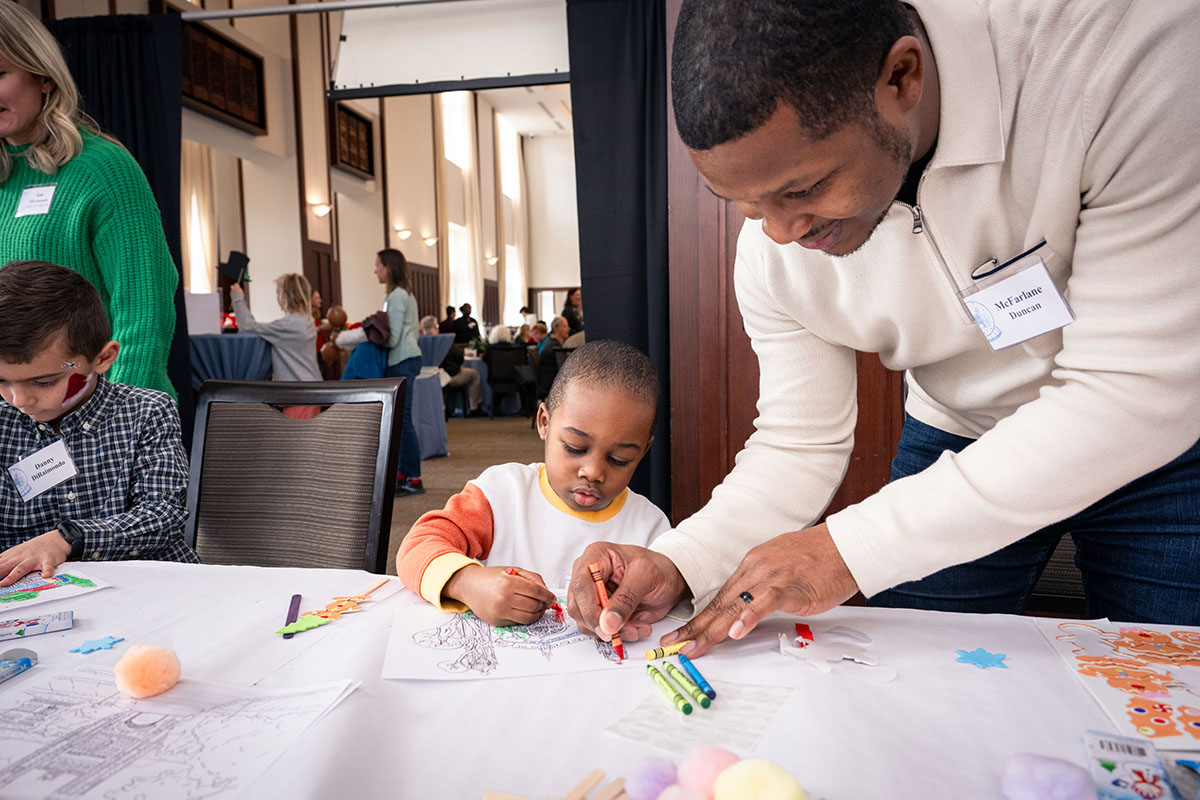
<point>603,515</point>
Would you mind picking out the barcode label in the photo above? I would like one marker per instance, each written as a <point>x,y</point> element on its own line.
<point>1121,747</point>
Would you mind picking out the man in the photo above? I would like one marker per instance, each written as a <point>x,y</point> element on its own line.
<point>466,329</point>
<point>920,183</point>
<point>447,325</point>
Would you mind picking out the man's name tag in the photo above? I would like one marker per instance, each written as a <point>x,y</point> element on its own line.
<point>1017,303</point>
<point>42,471</point>
<point>35,200</point>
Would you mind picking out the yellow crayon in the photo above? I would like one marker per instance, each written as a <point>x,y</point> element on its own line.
<point>685,684</point>
<point>669,690</point>
<point>663,652</point>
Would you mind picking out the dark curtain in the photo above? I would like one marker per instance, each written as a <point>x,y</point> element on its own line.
<point>618,59</point>
<point>129,70</point>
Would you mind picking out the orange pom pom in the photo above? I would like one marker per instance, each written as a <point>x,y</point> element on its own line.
<point>146,670</point>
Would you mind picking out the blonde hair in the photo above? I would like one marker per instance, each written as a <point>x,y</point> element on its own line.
<point>294,293</point>
<point>27,45</point>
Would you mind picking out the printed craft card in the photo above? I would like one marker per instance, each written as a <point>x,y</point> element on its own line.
<point>1146,677</point>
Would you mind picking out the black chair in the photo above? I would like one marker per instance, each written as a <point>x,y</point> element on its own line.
<point>505,373</point>
<point>268,490</point>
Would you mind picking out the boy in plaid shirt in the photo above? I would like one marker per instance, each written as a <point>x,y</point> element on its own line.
<point>93,470</point>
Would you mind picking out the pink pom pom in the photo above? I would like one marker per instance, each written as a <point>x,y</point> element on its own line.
<point>1032,777</point>
<point>699,769</point>
<point>146,670</point>
<point>678,792</point>
<point>649,778</point>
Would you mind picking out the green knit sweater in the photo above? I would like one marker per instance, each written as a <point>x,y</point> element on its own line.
<point>104,224</point>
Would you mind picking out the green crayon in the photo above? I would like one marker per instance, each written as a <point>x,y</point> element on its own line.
<point>670,691</point>
<point>685,684</point>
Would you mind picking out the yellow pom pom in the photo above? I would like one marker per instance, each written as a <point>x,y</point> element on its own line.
<point>756,779</point>
<point>146,670</point>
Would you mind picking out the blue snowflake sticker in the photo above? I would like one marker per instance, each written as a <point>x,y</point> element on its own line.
<point>981,658</point>
<point>97,644</point>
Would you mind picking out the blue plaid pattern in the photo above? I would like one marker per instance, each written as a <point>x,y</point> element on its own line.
<point>130,497</point>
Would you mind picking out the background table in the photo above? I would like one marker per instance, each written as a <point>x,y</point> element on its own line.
<point>538,737</point>
<point>429,415</point>
<point>509,403</point>
<point>434,347</point>
<point>229,357</point>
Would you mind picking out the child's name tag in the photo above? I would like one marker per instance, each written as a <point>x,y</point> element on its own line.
<point>42,471</point>
<point>1017,302</point>
<point>35,200</point>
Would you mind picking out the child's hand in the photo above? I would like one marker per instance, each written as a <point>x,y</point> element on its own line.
<point>500,595</point>
<point>43,553</point>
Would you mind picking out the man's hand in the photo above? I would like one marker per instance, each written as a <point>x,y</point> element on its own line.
<point>647,587</point>
<point>43,553</point>
<point>800,572</point>
<point>500,597</point>
<point>235,290</point>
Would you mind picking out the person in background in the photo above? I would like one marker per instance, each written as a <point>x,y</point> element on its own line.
<point>537,333</point>
<point>461,377</point>
<point>466,329</point>
<point>127,498</point>
<point>292,337</point>
<point>500,334</point>
<point>559,330</point>
<point>316,305</point>
<point>403,360</point>
<point>73,196</point>
<point>523,334</point>
<point>447,325</point>
<point>573,311</point>
<point>527,316</point>
<point>547,362</point>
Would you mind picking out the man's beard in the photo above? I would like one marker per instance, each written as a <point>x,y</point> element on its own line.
<point>900,150</point>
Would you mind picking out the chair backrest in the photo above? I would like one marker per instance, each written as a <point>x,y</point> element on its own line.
<point>502,361</point>
<point>561,354</point>
<point>269,490</point>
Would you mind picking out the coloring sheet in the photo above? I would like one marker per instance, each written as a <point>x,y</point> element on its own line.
<point>34,589</point>
<point>736,720</point>
<point>1146,677</point>
<point>429,644</point>
<point>74,734</point>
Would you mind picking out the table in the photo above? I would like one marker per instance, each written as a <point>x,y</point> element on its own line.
<point>229,357</point>
<point>434,347</point>
<point>429,414</point>
<point>431,739</point>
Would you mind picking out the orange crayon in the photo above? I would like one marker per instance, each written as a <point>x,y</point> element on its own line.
<point>602,593</point>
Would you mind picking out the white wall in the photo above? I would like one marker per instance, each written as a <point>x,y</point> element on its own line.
<point>553,220</point>
<point>412,193</point>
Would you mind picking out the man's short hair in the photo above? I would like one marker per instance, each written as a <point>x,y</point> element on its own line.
<point>608,363</point>
<point>450,312</point>
<point>40,301</point>
<point>735,61</point>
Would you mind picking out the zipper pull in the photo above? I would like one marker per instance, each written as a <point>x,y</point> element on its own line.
<point>918,223</point>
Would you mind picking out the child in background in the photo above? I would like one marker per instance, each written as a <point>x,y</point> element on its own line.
<point>96,470</point>
<point>488,549</point>
<point>293,338</point>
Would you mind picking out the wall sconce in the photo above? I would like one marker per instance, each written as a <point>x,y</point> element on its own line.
<point>403,233</point>
<point>321,209</point>
<point>430,241</point>
<point>492,261</point>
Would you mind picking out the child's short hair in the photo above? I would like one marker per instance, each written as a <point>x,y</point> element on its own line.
<point>609,363</point>
<point>40,301</point>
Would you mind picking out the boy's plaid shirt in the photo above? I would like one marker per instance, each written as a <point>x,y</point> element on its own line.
<point>130,496</point>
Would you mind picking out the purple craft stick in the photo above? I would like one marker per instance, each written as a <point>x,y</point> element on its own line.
<point>293,614</point>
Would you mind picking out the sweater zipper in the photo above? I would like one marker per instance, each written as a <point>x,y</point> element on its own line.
<point>918,228</point>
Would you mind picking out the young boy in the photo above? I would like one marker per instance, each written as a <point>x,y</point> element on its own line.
<point>94,470</point>
<point>488,549</point>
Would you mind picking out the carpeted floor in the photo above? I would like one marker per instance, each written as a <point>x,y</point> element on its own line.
<point>475,445</point>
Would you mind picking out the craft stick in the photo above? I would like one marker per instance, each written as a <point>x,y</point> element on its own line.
<point>292,615</point>
<point>493,795</point>
<point>374,586</point>
<point>613,791</point>
<point>585,786</point>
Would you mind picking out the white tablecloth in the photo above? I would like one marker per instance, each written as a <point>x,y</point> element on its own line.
<point>941,730</point>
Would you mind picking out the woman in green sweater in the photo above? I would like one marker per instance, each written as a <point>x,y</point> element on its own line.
<point>73,196</point>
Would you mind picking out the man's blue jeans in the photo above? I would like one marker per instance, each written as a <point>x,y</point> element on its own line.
<point>1138,548</point>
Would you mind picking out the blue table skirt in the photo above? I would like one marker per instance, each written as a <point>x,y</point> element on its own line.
<point>429,416</point>
<point>230,357</point>
<point>434,347</point>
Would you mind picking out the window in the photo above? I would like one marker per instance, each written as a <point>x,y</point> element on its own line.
<point>456,131</point>
<point>510,159</point>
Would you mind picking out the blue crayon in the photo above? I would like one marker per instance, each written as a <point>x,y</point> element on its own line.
<point>695,675</point>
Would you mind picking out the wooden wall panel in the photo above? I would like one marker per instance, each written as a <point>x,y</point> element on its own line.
<point>423,281</point>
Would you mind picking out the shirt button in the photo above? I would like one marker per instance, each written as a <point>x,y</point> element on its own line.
<point>41,427</point>
<point>87,426</point>
<point>95,555</point>
<point>133,552</point>
<point>70,495</point>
